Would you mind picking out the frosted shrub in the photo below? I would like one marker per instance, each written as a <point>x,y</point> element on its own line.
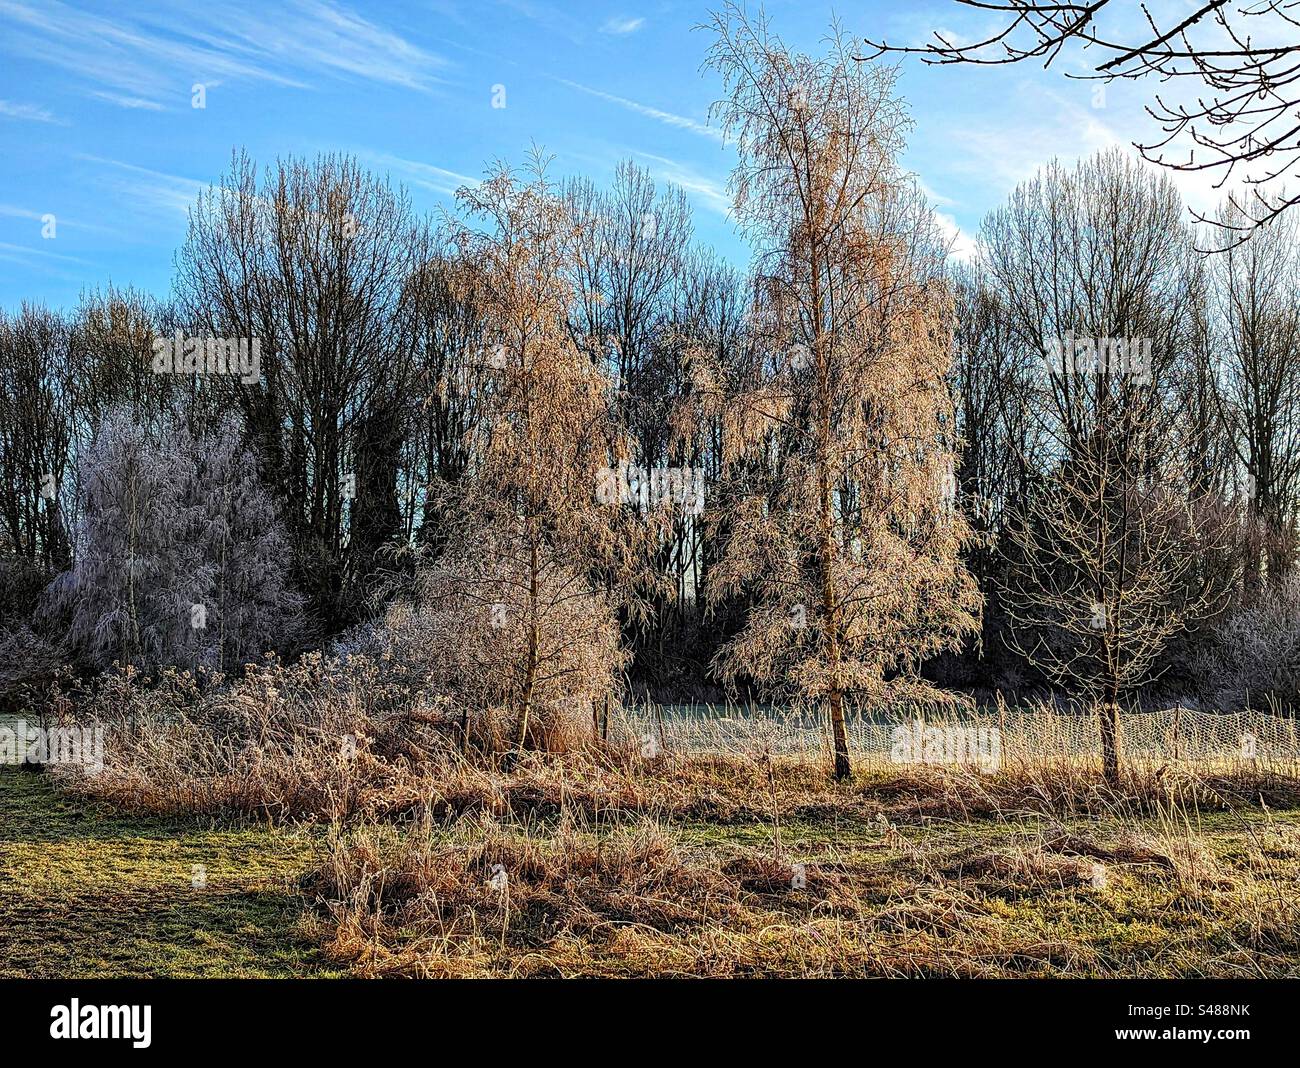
<point>478,636</point>
<point>1258,654</point>
<point>250,608</point>
<point>28,662</point>
<point>319,738</point>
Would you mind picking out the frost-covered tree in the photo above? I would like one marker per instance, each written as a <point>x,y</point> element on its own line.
<point>838,435</point>
<point>250,607</point>
<point>136,574</point>
<point>179,558</point>
<point>536,566</point>
<point>1257,660</point>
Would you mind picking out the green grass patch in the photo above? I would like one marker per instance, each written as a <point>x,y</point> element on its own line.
<point>88,893</point>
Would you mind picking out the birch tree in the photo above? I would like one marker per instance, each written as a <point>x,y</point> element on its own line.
<point>180,557</point>
<point>850,545</point>
<point>136,574</point>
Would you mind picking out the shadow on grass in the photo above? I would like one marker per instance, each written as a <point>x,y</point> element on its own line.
<point>88,893</point>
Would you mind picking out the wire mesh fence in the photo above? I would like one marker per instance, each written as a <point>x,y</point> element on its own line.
<point>1168,735</point>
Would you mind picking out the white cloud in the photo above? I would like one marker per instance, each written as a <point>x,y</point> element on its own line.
<point>13,211</point>
<point>1011,152</point>
<point>25,253</point>
<point>708,192</point>
<point>28,113</point>
<point>961,246</point>
<point>666,117</point>
<point>149,60</point>
<point>131,102</point>
<point>136,60</point>
<point>550,17</point>
<point>621,26</point>
<point>330,38</point>
<point>1010,148</point>
<point>934,197</point>
<point>425,175</point>
<point>150,189</point>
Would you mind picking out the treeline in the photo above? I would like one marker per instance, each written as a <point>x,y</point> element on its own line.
<point>1203,412</point>
<point>383,344</point>
<point>1071,463</point>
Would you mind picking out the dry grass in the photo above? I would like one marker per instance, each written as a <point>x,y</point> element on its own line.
<point>623,858</point>
<point>491,897</point>
<point>341,740</point>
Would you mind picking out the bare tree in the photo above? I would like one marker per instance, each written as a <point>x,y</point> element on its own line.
<point>313,262</point>
<point>37,395</point>
<point>992,378</point>
<point>1107,569</point>
<point>1256,374</point>
<point>1240,62</point>
<point>448,295</point>
<point>1091,266</point>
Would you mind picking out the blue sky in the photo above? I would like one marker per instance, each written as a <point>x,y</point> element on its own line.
<point>97,125</point>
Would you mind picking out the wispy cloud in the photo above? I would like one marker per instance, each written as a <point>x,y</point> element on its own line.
<point>425,175</point>
<point>38,257</point>
<point>1009,150</point>
<point>135,59</point>
<point>933,196</point>
<point>961,245</point>
<point>548,16</point>
<point>710,193</point>
<point>28,113</point>
<point>144,59</point>
<point>621,26</point>
<point>130,102</point>
<point>666,117</point>
<point>328,37</point>
<point>13,211</point>
<point>149,189</point>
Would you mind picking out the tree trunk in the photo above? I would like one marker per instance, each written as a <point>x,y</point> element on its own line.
<point>843,769</point>
<point>831,622</point>
<point>530,677</point>
<point>1109,715</point>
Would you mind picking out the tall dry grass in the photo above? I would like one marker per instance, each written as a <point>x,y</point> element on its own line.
<point>338,738</point>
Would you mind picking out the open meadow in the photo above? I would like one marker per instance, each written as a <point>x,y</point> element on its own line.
<point>723,850</point>
<point>533,490</point>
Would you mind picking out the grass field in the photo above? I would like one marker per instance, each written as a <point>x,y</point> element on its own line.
<point>740,875</point>
<point>85,892</point>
